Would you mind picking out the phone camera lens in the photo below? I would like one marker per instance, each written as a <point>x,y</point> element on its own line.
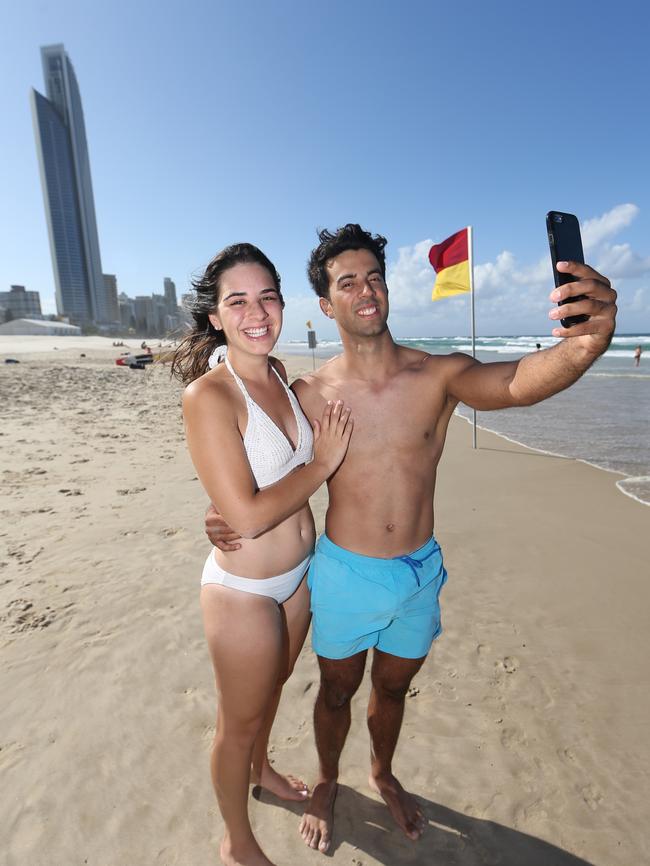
<point>558,218</point>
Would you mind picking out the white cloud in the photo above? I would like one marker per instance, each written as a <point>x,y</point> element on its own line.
<point>410,279</point>
<point>639,303</point>
<point>598,229</point>
<point>620,260</point>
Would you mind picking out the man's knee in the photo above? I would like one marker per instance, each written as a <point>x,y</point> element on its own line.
<point>340,680</point>
<point>395,691</point>
<point>336,694</point>
<point>393,680</point>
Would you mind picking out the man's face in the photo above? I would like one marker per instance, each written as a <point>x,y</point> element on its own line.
<point>358,297</point>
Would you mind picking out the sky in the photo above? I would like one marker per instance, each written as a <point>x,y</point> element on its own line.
<point>211,122</point>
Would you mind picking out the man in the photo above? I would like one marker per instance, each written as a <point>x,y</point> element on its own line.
<point>377,571</point>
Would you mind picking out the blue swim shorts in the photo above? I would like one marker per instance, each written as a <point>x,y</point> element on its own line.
<point>360,601</point>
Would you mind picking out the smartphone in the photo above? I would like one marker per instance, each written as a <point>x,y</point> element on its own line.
<point>566,246</point>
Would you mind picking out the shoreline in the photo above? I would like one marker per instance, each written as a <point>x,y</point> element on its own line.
<point>583,460</point>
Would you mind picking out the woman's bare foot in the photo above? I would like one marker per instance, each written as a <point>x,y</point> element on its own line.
<point>402,805</point>
<point>285,787</point>
<point>247,854</point>
<point>316,825</point>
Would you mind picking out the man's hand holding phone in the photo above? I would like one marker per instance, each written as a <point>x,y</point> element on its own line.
<point>587,301</point>
<point>598,302</point>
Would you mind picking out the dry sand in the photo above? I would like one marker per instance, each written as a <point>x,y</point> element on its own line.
<point>525,735</point>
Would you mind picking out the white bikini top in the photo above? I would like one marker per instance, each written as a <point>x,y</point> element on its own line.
<point>270,453</point>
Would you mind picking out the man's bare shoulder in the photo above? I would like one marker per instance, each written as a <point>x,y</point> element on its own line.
<point>447,365</point>
<point>315,388</point>
<point>327,375</point>
<point>417,361</point>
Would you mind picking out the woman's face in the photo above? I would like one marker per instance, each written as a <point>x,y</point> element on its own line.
<point>249,310</point>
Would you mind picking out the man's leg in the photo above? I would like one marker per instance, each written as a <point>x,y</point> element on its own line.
<point>391,678</point>
<point>340,679</point>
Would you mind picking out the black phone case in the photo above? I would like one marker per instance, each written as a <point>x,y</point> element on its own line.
<point>565,243</point>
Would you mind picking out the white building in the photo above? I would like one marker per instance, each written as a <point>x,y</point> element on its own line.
<point>36,327</point>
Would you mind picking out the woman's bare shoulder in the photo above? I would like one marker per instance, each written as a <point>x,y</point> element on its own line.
<point>211,391</point>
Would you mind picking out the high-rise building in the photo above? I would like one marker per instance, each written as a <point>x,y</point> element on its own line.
<point>21,304</point>
<point>170,296</point>
<point>110,288</point>
<point>127,311</point>
<point>144,314</point>
<point>67,190</point>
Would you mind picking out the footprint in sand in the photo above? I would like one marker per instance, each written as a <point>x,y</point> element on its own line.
<point>592,797</point>
<point>23,617</point>
<point>510,664</point>
<point>446,691</point>
<point>568,756</point>
<point>513,739</point>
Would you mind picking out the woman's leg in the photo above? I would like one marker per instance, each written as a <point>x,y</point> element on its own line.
<point>295,616</point>
<point>245,637</point>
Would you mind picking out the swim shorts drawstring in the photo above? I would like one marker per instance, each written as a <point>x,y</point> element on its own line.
<point>416,563</point>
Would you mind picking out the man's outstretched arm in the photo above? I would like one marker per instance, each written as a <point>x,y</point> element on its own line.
<point>541,374</point>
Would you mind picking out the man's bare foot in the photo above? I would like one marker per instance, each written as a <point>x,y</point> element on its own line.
<point>284,787</point>
<point>401,805</point>
<point>246,854</point>
<point>316,824</point>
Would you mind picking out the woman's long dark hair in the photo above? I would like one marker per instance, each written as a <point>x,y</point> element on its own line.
<point>191,357</point>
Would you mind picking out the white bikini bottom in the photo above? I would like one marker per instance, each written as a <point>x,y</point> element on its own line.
<point>280,587</point>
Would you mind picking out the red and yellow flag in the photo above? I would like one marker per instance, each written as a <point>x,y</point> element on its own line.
<point>450,260</point>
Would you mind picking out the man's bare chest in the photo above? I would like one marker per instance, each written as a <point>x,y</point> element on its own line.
<point>396,417</point>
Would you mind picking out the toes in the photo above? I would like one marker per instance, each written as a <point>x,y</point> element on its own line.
<point>324,841</point>
<point>414,829</point>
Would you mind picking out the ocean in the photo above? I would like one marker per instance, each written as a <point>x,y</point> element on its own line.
<point>604,419</point>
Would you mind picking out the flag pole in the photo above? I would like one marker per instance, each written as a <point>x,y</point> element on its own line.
<point>471,291</point>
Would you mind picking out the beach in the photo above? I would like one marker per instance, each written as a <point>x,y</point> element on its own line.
<point>525,732</point>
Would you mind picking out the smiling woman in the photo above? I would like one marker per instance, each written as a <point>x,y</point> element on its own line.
<point>192,356</point>
<point>259,462</point>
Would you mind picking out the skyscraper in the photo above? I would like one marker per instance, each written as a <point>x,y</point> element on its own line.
<point>67,190</point>
<point>110,287</point>
<point>170,296</point>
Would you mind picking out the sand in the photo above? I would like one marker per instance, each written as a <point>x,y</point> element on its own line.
<point>525,734</point>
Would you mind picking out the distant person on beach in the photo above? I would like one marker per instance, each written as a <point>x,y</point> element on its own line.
<point>637,356</point>
<point>538,346</point>
<point>378,570</point>
<point>259,462</point>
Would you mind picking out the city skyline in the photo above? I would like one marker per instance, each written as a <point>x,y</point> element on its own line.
<point>278,128</point>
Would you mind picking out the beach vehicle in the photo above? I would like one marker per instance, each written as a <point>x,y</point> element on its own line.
<point>135,362</point>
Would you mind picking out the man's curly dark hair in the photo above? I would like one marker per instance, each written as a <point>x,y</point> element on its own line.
<point>348,237</point>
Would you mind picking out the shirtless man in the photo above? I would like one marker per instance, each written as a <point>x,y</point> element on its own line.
<point>378,570</point>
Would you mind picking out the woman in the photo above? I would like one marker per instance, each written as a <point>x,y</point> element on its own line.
<point>252,449</point>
